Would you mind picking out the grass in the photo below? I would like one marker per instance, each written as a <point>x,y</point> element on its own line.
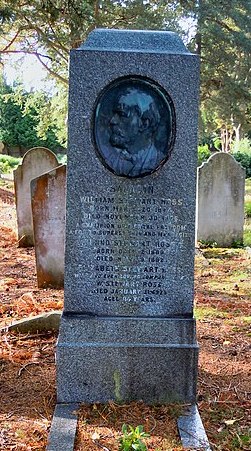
<point>246,319</point>
<point>221,253</point>
<point>7,184</point>
<point>248,188</point>
<point>202,312</point>
<point>8,163</point>
<point>247,232</point>
<point>248,209</point>
<point>220,279</point>
<point>247,206</point>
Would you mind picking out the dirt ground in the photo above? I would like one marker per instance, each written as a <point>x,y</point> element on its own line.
<point>27,365</point>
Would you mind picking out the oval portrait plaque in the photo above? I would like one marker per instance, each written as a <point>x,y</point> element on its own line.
<point>134,127</point>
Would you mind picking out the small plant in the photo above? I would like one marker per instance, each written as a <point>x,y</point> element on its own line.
<point>132,438</point>
<point>203,244</point>
<point>242,146</point>
<point>8,163</point>
<point>203,154</point>
<point>247,237</point>
<point>245,160</point>
<point>248,209</point>
<point>62,159</point>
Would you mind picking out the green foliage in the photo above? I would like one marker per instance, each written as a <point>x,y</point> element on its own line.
<point>221,37</point>
<point>203,154</point>
<point>247,205</point>
<point>207,244</point>
<point>245,160</point>
<point>62,159</point>
<point>223,42</point>
<point>248,209</point>
<point>248,187</point>
<point>61,25</point>
<point>50,29</point>
<point>241,440</point>
<point>8,163</point>
<point>132,438</point>
<point>20,119</point>
<point>242,153</point>
<point>247,236</point>
<point>203,312</point>
<point>242,146</point>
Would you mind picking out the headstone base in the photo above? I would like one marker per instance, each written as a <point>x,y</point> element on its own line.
<point>126,359</point>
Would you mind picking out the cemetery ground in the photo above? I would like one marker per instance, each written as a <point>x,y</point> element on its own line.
<point>27,365</point>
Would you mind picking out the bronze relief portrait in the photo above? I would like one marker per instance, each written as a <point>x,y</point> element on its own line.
<point>134,127</point>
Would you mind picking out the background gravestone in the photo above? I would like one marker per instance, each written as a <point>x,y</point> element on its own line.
<point>127,330</point>
<point>48,210</point>
<point>35,162</point>
<point>220,201</point>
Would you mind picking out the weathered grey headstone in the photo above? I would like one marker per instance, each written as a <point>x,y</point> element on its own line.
<point>127,331</point>
<point>48,210</point>
<point>35,162</point>
<point>220,201</point>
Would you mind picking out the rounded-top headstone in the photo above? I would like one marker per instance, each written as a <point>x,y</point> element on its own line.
<point>36,161</point>
<point>220,200</point>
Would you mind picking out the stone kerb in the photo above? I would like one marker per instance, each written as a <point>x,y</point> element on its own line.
<point>35,162</point>
<point>220,201</point>
<point>48,210</point>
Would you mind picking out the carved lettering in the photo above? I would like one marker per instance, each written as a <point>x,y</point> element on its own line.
<point>132,244</point>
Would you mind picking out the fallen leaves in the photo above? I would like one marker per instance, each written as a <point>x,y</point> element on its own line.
<point>27,367</point>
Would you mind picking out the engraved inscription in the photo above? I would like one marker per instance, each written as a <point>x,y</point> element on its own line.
<point>133,244</point>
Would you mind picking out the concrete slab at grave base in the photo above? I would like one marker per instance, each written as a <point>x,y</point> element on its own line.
<point>126,359</point>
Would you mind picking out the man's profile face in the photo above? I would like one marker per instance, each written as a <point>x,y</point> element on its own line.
<point>125,125</point>
<point>133,123</point>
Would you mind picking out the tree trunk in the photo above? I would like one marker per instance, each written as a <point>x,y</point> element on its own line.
<point>226,139</point>
<point>237,131</point>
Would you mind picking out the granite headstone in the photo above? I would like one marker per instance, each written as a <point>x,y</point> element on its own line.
<point>220,201</point>
<point>35,162</point>
<point>48,211</point>
<point>127,331</point>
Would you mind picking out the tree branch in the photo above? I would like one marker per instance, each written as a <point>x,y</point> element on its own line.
<point>53,45</point>
<point>28,52</point>
<point>11,42</point>
<point>55,74</point>
<point>223,25</point>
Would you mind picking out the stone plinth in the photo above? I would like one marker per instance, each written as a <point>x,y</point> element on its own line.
<point>127,359</point>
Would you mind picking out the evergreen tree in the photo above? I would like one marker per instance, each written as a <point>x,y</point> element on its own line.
<point>20,128</point>
<point>59,25</point>
<point>223,43</point>
<point>50,28</point>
